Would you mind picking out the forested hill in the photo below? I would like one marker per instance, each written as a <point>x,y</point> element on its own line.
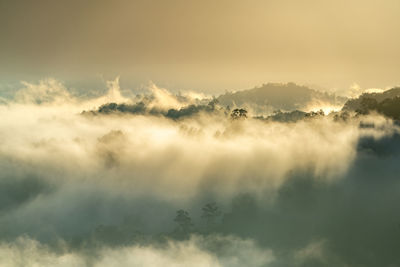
<point>386,103</point>
<point>355,103</point>
<point>278,96</point>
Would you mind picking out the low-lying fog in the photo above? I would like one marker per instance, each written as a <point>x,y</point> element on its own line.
<point>83,188</point>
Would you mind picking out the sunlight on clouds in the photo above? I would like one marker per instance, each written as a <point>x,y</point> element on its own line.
<point>190,253</point>
<point>81,172</point>
<point>178,156</point>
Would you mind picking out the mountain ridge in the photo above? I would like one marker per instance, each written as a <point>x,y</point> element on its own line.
<point>279,96</point>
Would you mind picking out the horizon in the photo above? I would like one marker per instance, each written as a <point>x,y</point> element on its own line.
<point>98,87</point>
<point>208,47</point>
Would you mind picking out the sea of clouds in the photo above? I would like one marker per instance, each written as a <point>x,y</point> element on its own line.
<point>318,192</point>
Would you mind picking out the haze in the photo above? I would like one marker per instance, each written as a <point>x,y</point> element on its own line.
<point>208,46</point>
<point>199,133</point>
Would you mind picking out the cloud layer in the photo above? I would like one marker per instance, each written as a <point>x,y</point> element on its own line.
<point>110,185</point>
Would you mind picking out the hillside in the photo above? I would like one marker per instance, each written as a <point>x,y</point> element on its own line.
<point>356,103</point>
<point>386,103</point>
<point>274,96</point>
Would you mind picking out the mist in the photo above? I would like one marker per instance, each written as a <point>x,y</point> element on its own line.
<point>84,187</point>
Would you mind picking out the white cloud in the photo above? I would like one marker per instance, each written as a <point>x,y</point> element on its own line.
<point>47,91</point>
<point>191,253</point>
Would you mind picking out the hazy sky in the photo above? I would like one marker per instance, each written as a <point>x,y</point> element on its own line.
<point>203,45</point>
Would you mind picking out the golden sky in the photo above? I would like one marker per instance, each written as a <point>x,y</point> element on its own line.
<point>204,45</point>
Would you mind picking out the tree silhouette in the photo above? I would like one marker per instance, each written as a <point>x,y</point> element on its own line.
<point>367,104</point>
<point>313,114</point>
<point>238,114</point>
<point>211,213</point>
<point>184,221</point>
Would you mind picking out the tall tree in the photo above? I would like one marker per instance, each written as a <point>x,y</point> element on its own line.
<point>184,221</point>
<point>211,212</point>
<point>239,113</point>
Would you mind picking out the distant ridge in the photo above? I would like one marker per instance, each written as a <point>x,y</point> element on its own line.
<point>280,96</point>
<point>356,103</point>
<point>386,103</point>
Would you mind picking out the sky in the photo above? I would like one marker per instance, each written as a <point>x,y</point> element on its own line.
<point>208,46</point>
